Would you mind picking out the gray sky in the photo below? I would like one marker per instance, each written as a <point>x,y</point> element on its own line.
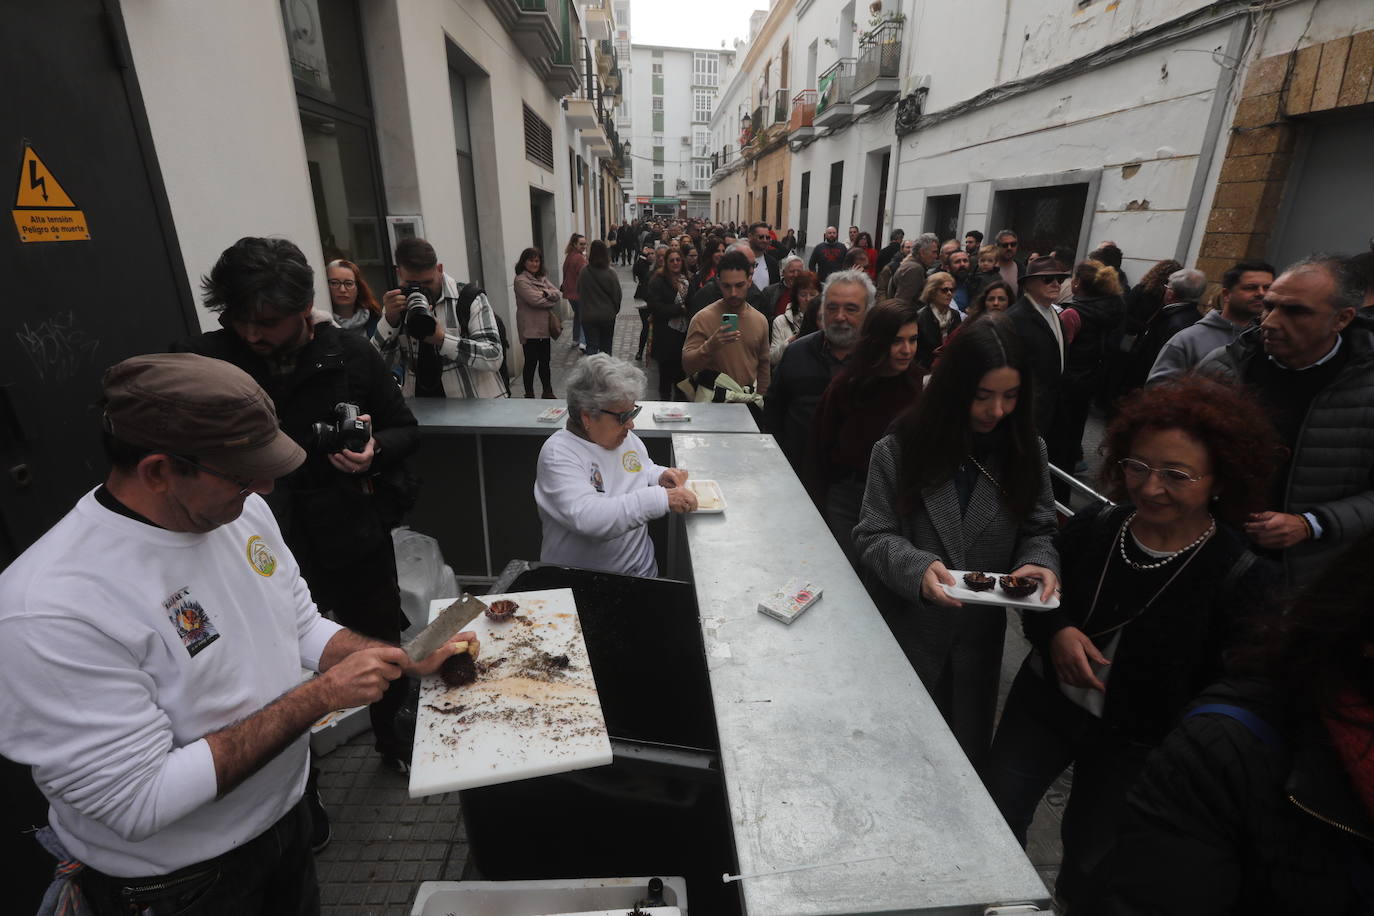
<point>691,24</point>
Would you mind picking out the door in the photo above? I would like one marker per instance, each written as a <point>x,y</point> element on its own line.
<point>1329,192</point>
<point>72,307</point>
<point>75,307</point>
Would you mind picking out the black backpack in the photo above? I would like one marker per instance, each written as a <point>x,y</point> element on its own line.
<point>467,293</point>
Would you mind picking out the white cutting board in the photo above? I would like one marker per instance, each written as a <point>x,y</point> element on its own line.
<point>514,722</point>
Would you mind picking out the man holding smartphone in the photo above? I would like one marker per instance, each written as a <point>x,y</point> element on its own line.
<point>728,336</point>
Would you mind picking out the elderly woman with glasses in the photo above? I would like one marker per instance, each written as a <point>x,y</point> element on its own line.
<point>1153,590</point>
<point>937,319</point>
<point>597,488</point>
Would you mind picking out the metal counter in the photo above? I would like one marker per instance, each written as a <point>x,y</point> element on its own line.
<point>519,416</point>
<point>832,750</point>
<point>477,462</point>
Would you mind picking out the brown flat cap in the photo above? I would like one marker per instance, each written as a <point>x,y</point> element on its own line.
<point>1045,267</point>
<point>199,407</point>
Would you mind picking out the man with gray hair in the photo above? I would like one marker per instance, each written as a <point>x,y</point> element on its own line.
<point>1311,365</point>
<point>808,364</point>
<point>910,278</point>
<point>777,297</point>
<point>1180,310</point>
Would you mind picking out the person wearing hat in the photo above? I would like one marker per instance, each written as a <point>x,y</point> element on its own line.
<point>337,509</point>
<point>1037,323</point>
<point>151,647</point>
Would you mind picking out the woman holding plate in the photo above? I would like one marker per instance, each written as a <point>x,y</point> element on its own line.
<point>1152,592</point>
<point>962,484</point>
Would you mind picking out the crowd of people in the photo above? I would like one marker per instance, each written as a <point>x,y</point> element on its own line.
<point>1201,655</point>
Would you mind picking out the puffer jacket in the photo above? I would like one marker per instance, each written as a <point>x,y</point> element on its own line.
<point>1085,357</point>
<point>1222,821</point>
<point>1332,473</point>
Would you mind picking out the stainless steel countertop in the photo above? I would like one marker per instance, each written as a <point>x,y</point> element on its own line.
<point>517,416</point>
<point>832,749</point>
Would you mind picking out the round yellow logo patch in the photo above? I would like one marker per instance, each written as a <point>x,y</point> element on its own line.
<point>260,556</point>
<point>630,461</point>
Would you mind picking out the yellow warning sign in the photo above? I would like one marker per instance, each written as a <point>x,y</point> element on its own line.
<point>43,211</point>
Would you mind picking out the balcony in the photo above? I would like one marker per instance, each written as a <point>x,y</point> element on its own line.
<point>877,77</point>
<point>562,72</point>
<point>581,113</point>
<point>530,24</point>
<point>834,105</point>
<point>802,124</point>
<point>597,16</point>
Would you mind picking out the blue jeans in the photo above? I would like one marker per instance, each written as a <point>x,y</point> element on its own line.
<point>598,336</point>
<point>272,874</point>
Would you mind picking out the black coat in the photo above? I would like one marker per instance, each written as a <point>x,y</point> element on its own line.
<point>660,296</point>
<point>1222,822</point>
<point>1099,317</point>
<point>799,380</point>
<point>325,515</point>
<point>1163,324</point>
<point>928,336</point>
<point>1042,352</point>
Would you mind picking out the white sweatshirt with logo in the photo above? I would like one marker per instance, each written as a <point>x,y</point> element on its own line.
<point>121,646</point>
<point>596,503</point>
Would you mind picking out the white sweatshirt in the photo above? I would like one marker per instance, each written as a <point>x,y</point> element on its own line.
<point>121,646</point>
<point>595,504</point>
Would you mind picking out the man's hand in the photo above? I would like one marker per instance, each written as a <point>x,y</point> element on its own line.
<point>394,305</point>
<point>681,499</point>
<point>438,337</point>
<point>435,659</point>
<point>1276,530</point>
<point>356,462</point>
<point>360,678</point>
<point>721,338</point>
<point>1073,655</point>
<point>672,478</point>
<point>936,574</point>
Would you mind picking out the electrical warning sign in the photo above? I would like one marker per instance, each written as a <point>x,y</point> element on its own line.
<point>43,212</point>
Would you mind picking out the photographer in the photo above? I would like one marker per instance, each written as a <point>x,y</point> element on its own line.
<point>337,510</point>
<point>443,336</point>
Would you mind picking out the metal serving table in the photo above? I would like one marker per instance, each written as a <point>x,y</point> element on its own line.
<point>832,750</point>
<point>478,461</point>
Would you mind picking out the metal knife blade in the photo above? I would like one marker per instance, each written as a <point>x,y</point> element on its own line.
<point>443,628</point>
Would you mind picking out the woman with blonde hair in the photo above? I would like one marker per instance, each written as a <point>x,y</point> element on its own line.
<point>937,319</point>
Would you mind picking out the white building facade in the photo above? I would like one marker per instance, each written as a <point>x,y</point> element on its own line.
<point>671,102</point>
<point>1179,129</point>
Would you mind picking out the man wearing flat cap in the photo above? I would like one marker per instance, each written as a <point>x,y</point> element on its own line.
<point>1037,322</point>
<point>151,647</point>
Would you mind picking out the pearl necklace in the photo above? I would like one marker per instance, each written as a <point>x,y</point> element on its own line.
<point>1142,567</point>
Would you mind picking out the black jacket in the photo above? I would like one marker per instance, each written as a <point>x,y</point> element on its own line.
<point>799,380</point>
<point>887,254</point>
<point>1172,650</point>
<point>1163,324</point>
<point>928,336</point>
<point>326,515</point>
<point>1042,352</point>
<point>1099,317</point>
<point>1222,822</point>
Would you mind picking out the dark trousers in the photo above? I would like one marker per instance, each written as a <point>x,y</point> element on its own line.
<point>843,499</point>
<point>599,334</point>
<point>1065,440</point>
<point>668,353</point>
<point>272,874</point>
<point>1040,734</point>
<point>577,337</point>
<point>643,333</point>
<point>366,598</point>
<point>537,355</point>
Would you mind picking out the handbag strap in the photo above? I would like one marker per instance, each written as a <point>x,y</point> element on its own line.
<point>1253,723</point>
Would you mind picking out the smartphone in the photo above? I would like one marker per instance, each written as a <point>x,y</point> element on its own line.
<point>729,322</point>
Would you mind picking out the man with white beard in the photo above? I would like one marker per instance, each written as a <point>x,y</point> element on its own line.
<point>808,364</point>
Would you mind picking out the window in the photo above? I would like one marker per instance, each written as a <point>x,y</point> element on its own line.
<point>657,103</point>
<point>705,68</point>
<point>1042,217</point>
<point>658,184</point>
<point>763,206</point>
<point>942,215</point>
<point>832,210</point>
<point>658,84</point>
<point>777,210</point>
<point>701,142</point>
<point>658,155</point>
<point>538,139</point>
<point>658,120</point>
<point>657,68</point>
<point>701,176</point>
<point>658,139</point>
<point>702,102</point>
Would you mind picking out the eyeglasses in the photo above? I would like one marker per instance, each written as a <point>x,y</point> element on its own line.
<point>245,486</point>
<point>343,284</point>
<point>624,416</point>
<point>945,289</point>
<point>1136,471</point>
<point>1007,244</point>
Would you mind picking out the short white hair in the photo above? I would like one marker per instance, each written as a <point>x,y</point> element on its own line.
<point>601,381</point>
<point>855,278</point>
<point>788,260</point>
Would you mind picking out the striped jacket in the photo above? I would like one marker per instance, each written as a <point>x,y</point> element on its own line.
<point>470,358</point>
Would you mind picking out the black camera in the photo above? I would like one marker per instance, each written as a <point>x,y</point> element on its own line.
<point>346,432</point>
<point>419,321</point>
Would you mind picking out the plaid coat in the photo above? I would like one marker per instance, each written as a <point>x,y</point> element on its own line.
<point>470,358</point>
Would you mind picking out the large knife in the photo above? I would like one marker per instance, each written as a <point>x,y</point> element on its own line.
<point>443,628</point>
